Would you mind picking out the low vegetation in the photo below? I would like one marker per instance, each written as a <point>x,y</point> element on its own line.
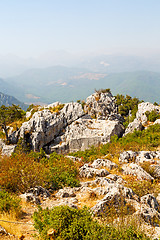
<point>9,204</point>
<point>69,223</point>
<point>22,171</point>
<point>152,116</point>
<point>127,107</point>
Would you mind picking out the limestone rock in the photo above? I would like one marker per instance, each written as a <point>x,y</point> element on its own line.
<point>127,156</point>
<point>98,163</point>
<point>139,157</point>
<point>144,107</point>
<point>44,126</point>
<point>115,197</point>
<point>30,197</point>
<point>150,201</point>
<point>35,194</point>
<point>8,149</point>
<point>66,192</point>
<point>88,172</point>
<point>135,125</point>
<point>136,170</point>
<point>116,178</point>
<point>101,105</point>
<point>150,215</point>
<point>84,133</point>
<point>39,191</point>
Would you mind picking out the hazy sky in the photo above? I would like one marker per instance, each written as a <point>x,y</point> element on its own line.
<point>31,27</point>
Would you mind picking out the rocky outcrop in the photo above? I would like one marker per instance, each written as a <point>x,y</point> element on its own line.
<point>101,105</point>
<point>143,108</point>
<point>44,126</point>
<point>137,171</point>
<point>84,133</point>
<point>141,118</point>
<point>67,127</point>
<point>140,157</point>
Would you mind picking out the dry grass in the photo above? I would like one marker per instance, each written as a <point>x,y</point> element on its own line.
<point>88,199</point>
<point>15,229</point>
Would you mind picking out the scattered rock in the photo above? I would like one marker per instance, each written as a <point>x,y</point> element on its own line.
<point>8,149</point>
<point>66,192</point>
<point>127,156</point>
<point>88,172</point>
<point>35,194</point>
<point>150,201</point>
<point>136,170</point>
<point>98,163</point>
<point>150,215</point>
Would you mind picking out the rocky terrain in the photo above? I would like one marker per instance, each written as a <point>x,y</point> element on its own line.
<point>115,185</point>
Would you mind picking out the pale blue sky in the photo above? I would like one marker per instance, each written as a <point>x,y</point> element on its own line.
<point>31,27</point>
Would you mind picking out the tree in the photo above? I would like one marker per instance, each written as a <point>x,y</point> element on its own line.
<point>8,115</point>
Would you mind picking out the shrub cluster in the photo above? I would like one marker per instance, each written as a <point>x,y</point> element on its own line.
<point>75,224</point>
<point>152,116</point>
<point>9,204</point>
<point>24,170</point>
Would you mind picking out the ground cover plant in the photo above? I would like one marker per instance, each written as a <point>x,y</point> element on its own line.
<point>69,223</point>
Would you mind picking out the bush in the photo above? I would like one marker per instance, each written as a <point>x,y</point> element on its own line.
<point>75,224</point>
<point>62,172</point>
<point>152,116</point>
<point>9,204</point>
<point>20,172</point>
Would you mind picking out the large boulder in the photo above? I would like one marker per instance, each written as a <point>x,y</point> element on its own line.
<point>44,126</point>
<point>135,125</point>
<point>83,133</point>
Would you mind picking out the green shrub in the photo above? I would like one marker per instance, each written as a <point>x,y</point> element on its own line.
<point>78,224</point>
<point>152,116</point>
<point>9,204</point>
<point>62,172</point>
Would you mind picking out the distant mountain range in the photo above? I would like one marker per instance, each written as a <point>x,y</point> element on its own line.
<point>9,100</point>
<point>59,83</point>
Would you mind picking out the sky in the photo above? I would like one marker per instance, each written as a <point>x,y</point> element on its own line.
<point>29,28</point>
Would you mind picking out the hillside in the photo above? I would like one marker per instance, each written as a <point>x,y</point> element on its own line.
<point>9,100</point>
<point>69,84</point>
<point>79,166</point>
